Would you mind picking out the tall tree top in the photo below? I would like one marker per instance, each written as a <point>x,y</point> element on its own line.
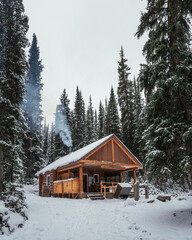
<point>35,64</point>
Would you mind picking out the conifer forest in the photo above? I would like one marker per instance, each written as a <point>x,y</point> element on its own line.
<point>151,113</point>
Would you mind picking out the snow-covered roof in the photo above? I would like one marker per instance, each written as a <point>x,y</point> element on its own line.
<point>77,155</point>
<point>74,156</point>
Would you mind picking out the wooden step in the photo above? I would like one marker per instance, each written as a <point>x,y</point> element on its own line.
<point>96,196</point>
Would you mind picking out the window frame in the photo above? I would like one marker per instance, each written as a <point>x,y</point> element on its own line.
<point>48,180</point>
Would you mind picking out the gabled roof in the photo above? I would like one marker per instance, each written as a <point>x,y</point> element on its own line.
<point>78,155</point>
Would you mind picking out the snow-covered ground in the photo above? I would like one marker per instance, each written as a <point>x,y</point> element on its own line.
<point>68,219</point>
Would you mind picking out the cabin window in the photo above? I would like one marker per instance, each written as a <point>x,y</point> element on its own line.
<point>96,178</point>
<point>113,179</point>
<point>48,180</point>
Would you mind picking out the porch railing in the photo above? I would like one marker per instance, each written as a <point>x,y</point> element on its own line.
<point>108,187</point>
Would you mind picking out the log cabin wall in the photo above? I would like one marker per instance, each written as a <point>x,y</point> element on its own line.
<point>46,189</point>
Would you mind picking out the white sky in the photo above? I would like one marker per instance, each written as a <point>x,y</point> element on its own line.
<point>79,43</point>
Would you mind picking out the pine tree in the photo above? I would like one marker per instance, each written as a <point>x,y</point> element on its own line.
<point>13,66</point>
<point>32,107</point>
<point>126,102</point>
<point>167,81</point>
<point>101,121</point>
<point>45,142</point>
<point>139,122</point>
<point>51,146</point>
<point>33,113</point>
<point>63,127</point>
<point>78,129</point>
<point>90,124</point>
<point>96,125</point>
<point>112,123</point>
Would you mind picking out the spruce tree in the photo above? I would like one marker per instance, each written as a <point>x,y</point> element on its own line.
<point>33,113</point>
<point>45,142</point>
<point>96,125</point>
<point>126,102</point>
<point>78,129</point>
<point>62,126</point>
<point>139,122</point>
<point>32,107</point>
<point>90,124</point>
<point>51,146</point>
<point>101,121</point>
<point>167,82</point>
<point>112,122</point>
<point>13,66</point>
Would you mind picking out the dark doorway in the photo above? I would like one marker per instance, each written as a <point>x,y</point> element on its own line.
<point>85,182</point>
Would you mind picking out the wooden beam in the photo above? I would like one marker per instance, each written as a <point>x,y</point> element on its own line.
<point>110,163</point>
<point>81,179</point>
<point>112,167</point>
<point>134,176</point>
<point>68,167</point>
<point>113,153</point>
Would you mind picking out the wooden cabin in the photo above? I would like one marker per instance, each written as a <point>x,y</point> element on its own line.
<point>97,167</point>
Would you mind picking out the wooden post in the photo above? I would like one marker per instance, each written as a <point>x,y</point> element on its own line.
<point>40,184</point>
<point>134,176</point>
<point>136,192</point>
<point>81,179</point>
<point>101,186</point>
<point>146,191</point>
<point>69,173</point>
<point>121,177</point>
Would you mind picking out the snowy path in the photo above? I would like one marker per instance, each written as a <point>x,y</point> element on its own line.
<point>66,219</point>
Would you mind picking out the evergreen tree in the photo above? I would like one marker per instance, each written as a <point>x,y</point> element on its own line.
<point>78,130</point>
<point>33,113</point>
<point>32,106</point>
<point>62,127</point>
<point>126,102</point>
<point>45,142</point>
<point>90,124</point>
<point>51,146</point>
<point>112,123</point>
<point>96,125</point>
<point>13,66</point>
<point>167,81</point>
<point>101,121</point>
<point>139,122</point>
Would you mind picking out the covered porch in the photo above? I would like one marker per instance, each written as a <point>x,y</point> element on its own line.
<point>89,177</point>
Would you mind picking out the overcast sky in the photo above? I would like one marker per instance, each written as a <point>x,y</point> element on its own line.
<point>79,43</point>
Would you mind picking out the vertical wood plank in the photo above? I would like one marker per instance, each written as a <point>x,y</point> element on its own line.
<point>81,179</point>
<point>113,153</point>
<point>69,174</point>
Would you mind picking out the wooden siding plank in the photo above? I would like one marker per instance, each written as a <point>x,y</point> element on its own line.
<point>127,153</point>
<point>96,149</point>
<point>113,154</point>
